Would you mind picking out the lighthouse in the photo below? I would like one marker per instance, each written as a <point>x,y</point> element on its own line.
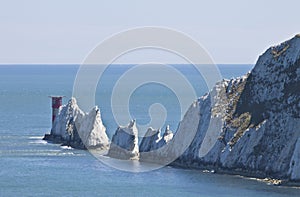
<point>56,103</point>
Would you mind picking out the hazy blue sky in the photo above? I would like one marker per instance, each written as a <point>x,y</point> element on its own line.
<point>64,31</point>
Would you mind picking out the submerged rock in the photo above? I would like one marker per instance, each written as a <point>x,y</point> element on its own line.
<point>255,120</point>
<point>77,129</point>
<point>124,144</point>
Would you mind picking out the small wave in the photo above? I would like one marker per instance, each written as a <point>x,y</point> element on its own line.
<point>29,152</point>
<point>38,142</point>
<point>36,137</point>
<point>66,153</point>
<point>208,171</point>
<point>66,147</point>
<point>102,156</point>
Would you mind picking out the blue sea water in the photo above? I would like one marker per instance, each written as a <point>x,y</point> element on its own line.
<point>30,166</point>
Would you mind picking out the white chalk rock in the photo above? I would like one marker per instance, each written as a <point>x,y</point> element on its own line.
<point>78,129</point>
<point>124,143</point>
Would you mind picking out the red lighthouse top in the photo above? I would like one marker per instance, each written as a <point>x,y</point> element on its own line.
<point>56,103</point>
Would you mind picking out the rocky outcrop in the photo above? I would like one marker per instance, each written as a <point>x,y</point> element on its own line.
<point>153,139</point>
<point>124,144</point>
<point>254,120</point>
<point>152,143</point>
<point>77,129</point>
<point>150,140</point>
<point>167,137</point>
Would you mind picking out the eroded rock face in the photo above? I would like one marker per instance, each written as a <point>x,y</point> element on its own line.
<point>152,147</point>
<point>66,118</point>
<point>150,140</point>
<point>153,139</point>
<point>92,131</point>
<point>124,144</point>
<point>75,128</point>
<point>256,120</point>
<point>294,168</point>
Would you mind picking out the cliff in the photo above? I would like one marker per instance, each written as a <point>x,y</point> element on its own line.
<point>153,139</point>
<point>254,120</point>
<point>151,147</point>
<point>124,144</point>
<point>77,129</point>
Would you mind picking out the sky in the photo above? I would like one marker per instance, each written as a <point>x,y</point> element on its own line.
<point>65,31</point>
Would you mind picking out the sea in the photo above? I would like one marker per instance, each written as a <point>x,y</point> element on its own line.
<point>30,166</point>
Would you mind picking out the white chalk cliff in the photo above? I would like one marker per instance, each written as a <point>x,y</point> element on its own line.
<point>255,120</point>
<point>78,129</point>
<point>153,139</point>
<point>150,140</point>
<point>152,143</point>
<point>124,144</point>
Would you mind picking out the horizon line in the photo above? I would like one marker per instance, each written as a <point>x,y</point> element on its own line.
<point>73,64</point>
